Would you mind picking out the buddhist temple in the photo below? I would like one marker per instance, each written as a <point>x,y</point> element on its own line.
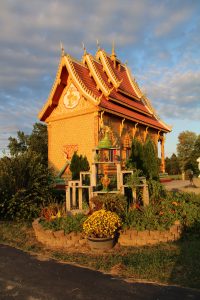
<point>97,102</point>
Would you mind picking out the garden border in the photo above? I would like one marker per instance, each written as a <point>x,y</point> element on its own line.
<point>128,237</point>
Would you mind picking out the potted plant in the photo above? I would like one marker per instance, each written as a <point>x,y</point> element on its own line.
<point>101,228</point>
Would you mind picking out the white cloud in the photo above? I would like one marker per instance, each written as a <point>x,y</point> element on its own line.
<point>160,39</point>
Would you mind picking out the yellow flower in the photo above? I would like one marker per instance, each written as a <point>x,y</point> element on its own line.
<point>101,223</point>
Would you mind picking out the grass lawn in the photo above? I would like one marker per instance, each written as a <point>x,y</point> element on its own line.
<point>171,263</point>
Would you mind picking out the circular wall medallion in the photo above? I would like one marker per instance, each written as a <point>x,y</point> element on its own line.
<point>72,97</point>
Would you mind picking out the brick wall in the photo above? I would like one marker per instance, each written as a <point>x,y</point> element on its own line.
<point>57,239</point>
<point>132,237</point>
<point>75,130</point>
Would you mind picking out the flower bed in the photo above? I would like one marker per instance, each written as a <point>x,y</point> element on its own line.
<point>57,239</point>
<point>128,237</point>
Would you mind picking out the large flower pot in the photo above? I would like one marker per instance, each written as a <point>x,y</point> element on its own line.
<point>101,244</point>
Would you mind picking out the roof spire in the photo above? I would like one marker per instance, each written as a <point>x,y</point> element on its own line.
<point>113,54</point>
<point>62,49</point>
<point>84,49</point>
<point>113,48</point>
<point>98,45</point>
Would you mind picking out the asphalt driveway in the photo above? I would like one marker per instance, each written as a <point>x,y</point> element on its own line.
<point>23,276</point>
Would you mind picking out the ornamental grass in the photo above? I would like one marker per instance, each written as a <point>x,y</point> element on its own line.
<point>102,224</point>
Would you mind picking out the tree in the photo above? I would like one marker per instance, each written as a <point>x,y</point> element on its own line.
<point>18,145</point>
<point>36,142</point>
<point>136,159</point>
<point>144,158</point>
<point>185,148</point>
<point>195,155</point>
<point>172,165</point>
<point>150,165</point>
<point>78,164</point>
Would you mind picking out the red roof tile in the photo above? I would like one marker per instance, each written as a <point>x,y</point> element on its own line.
<point>121,74</point>
<point>148,120</point>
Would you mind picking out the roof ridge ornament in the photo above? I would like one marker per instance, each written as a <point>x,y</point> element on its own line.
<point>113,54</point>
<point>62,49</point>
<point>98,45</point>
<point>84,49</point>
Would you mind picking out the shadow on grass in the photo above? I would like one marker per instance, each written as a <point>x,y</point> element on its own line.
<point>186,270</point>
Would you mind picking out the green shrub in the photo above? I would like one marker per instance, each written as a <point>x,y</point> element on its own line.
<point>156,190</point>
<point>146,218</point>
<point>162,214</point>
<point>113,202</point>
<point>78,164</point>
<point>25,186</point>
<point>69,223</point>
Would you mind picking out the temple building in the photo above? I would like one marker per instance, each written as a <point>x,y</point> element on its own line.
<point>96,100</point>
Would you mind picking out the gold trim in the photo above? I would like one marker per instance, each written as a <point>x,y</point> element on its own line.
<point>96,75</point>
<point>85,91</point>
<point>49,102</point>
<point>106,66</point>
<point>121,126</point>
<point>133,83</point>
<point>132,119</point>
<point>130,107</point>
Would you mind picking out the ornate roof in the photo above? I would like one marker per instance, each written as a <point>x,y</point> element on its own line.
<point>108,84</point>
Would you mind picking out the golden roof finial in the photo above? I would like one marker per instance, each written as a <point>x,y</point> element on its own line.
<point>113,54</point>
<point>62,49</point>
<point>113,48</point>
<point>84,49</point>
<point>98,45</point>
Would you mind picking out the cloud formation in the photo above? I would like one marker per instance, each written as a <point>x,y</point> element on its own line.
<point>160,40</point>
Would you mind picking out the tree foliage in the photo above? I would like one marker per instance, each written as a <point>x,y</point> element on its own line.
<point>144,158</point>
<point>172,166</point>
<point>150,166</point>
<point>25,186</point>
<point>78,164</point>
<point>36,142</point>
<point>187,146</point>
<point>136,159</point>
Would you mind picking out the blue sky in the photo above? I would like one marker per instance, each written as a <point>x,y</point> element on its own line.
<point>159,39</point>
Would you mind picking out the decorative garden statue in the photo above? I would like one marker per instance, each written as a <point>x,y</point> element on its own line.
<point>105,182</point>
<point>198,160</point>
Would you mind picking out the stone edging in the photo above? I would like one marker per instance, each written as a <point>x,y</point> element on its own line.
<point>57,239</point>
<point>132,237</point>
<point>129,237</point>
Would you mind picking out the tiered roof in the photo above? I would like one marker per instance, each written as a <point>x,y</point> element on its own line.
<point>108,84</point>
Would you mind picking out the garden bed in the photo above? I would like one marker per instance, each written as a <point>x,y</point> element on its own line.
<point>128,237</point>
<point>57,239</point>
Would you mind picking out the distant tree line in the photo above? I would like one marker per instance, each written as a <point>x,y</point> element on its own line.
<point>188,150</point>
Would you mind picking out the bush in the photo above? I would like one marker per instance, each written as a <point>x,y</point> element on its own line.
<point>145,218</point>
<point>156,190</point>
<point>111,202</point>
<point>78,164</point>
<point>161,215</point>
<point>68,223</point>
<point>25,186</point>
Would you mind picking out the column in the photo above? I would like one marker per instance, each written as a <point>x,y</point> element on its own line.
<point>163,154</point>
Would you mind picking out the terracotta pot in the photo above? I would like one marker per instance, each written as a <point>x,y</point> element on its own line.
<point>101,243</point>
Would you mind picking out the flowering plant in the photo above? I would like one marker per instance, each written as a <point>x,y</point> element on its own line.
<point>101,224</point>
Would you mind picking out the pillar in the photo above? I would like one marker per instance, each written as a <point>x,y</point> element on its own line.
<point>163,154</point>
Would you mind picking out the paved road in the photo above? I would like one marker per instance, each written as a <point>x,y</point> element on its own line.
<point>24,277</point>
